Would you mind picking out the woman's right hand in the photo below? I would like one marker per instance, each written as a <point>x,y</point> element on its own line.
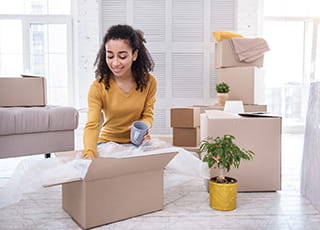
<point>146,137</point>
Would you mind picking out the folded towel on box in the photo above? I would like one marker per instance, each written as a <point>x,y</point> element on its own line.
<point>249,49</point>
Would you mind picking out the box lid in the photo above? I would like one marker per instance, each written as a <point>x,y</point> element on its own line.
<point>258,114</point>
<point>31,76</point>
<point>101,168</point>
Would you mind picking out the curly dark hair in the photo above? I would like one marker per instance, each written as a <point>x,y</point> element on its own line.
<point>140,67</point>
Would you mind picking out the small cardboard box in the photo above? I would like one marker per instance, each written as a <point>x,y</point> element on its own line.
<point>189,137</point>
<point>115,189</point>
<point>225,56</point>
<point>262,135</point>
<point>246,84</point>
<point>22,91</point>
<point>188,117</point>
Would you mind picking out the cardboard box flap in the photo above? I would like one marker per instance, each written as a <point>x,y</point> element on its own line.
<point>31,76</point>
<point>110,167</point>
<point>60,183</point>
<point>258,114</point>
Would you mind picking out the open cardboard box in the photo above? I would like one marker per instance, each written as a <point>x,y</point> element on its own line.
<point>115,189</point>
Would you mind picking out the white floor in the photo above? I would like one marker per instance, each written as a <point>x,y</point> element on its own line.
<point>186,204</point>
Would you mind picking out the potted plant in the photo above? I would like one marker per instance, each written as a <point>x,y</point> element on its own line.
<point>223,153</point>
<point>222,90</point>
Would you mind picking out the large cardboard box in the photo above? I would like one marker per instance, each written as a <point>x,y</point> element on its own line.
<point>225,56</point>
<point>188,117</point>
<point>115,189</point>
<point>262,135</point>
<point>22,91</point>
<point>246,84</point>
<point>189,137</point>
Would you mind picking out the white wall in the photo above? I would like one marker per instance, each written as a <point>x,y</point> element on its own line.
<point>250,16</point>
<point>86,44</point>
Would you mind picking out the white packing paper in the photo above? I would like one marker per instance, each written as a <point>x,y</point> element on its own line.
<point>32,174</point>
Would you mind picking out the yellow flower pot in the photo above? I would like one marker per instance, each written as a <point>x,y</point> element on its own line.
<point>223,196</point>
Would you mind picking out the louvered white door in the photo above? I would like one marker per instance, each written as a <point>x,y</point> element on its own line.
<point>179,37</point>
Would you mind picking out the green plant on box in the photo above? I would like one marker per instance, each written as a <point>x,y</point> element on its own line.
<point>223,153</point>
<point>222,87</point>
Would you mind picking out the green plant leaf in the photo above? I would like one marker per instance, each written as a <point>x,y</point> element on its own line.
<point>222,87</point>
<point>224,152</point>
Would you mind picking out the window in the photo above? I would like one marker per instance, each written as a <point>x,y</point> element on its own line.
<point>11,47</point>
<point>315,70</point>
<point>293,61</point>
<point>35,40</point>
<point>40,7</point>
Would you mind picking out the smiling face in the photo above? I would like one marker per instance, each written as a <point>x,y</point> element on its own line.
<point>119,57</point>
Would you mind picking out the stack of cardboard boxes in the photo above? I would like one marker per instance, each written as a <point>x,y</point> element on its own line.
<point>186,126</point>
<point>246,79</point>
<point>260,133</point>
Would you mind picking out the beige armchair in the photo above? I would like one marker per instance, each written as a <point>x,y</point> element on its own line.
<point>36,130</point>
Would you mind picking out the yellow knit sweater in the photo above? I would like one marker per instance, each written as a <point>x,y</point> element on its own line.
<point>120,110</point>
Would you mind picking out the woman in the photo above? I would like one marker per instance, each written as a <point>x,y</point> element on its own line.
<point>124,89</point>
